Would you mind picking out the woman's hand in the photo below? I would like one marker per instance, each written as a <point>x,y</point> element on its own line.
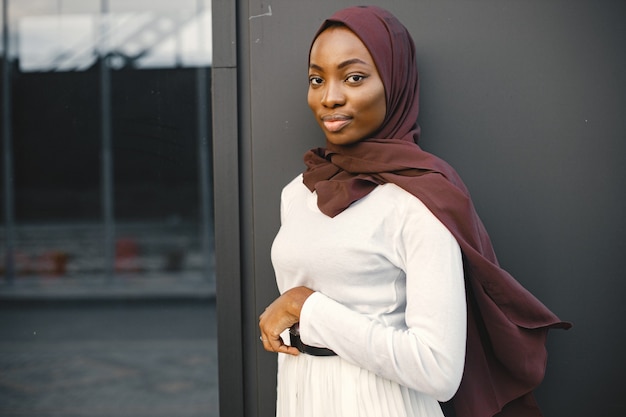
<point>283,313</point>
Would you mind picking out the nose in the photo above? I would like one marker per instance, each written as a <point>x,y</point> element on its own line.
<point>333,95</point>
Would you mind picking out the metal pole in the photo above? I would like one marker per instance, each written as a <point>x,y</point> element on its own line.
<point>204,146</point>
<point>205,170</point>
<point>107,151</point>
<point>7,142</point>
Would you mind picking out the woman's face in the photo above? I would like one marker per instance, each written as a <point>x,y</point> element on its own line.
<point>346,93</point>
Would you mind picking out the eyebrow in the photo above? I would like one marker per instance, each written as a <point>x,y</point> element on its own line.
<point>341,65</point>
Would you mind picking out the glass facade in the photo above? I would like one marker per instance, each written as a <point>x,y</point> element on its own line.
<point>107,277</point>
<point>106,147</point>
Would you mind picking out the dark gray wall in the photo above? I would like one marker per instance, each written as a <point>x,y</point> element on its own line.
<point>526,100</point>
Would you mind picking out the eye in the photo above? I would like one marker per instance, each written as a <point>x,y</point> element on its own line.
<point>314,81</point>
<point>355,78</point>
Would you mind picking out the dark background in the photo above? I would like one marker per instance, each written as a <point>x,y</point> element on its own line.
<point>57,144</point>
<point>526,99</point>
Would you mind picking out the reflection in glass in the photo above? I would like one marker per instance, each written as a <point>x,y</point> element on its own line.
<point>105,183</point>
<point>151,37</point>
<point>110,122</point>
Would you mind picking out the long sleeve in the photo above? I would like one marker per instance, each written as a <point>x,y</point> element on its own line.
<point>388,277</point>
<point>427,355</point>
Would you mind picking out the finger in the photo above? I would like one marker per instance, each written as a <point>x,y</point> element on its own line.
<point>274,343</point>
<point>265,341</point>
<point>279,346</point>
<point>289,350</point>
<point>264,338</point>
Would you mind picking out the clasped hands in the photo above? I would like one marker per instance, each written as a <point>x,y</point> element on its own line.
<point>283,313</point>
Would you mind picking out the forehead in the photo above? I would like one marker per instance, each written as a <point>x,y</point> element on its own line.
<point>338,44</point>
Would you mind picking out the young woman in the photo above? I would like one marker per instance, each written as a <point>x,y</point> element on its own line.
<point>390,289</point>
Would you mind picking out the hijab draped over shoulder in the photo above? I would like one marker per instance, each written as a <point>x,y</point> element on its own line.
<point>507,326</point>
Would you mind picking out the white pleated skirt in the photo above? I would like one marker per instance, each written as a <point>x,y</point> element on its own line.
<point>313,386</point>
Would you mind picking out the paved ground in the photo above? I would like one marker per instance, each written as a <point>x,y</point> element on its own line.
<point>108,358</point>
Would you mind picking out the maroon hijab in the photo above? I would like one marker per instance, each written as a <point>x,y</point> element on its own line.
<point>507,326</point>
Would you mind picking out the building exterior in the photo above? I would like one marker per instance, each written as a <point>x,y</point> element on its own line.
<point>133,147</point>
<point>106,162</point>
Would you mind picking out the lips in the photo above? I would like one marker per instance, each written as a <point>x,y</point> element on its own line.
<point>335,122</point>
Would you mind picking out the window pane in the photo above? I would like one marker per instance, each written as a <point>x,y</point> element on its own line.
<point>106,277</point>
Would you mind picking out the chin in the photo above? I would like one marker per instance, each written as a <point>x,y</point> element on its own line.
<point>338,140</point>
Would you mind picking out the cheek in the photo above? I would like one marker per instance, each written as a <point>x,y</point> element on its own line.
<point>377,108</point>
<point>382,109</point>
<point>310,99</point>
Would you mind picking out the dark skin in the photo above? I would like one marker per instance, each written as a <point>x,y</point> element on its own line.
<point>283,313</point>
<point>347,97</point>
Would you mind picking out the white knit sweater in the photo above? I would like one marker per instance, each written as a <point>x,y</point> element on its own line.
<point>388,277</point>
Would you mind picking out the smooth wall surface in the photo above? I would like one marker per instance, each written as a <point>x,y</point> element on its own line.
<point>526,99</point>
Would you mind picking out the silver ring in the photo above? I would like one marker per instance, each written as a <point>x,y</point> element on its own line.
<point>261,339</point>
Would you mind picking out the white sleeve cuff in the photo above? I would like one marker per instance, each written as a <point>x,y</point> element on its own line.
<point>310,315</point>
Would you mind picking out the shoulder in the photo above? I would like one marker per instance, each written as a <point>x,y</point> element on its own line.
<point>296,181</point>
<point>402,200</point>
<point>294,187</point>
<point>294,193</point>
<point>413,214</point>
